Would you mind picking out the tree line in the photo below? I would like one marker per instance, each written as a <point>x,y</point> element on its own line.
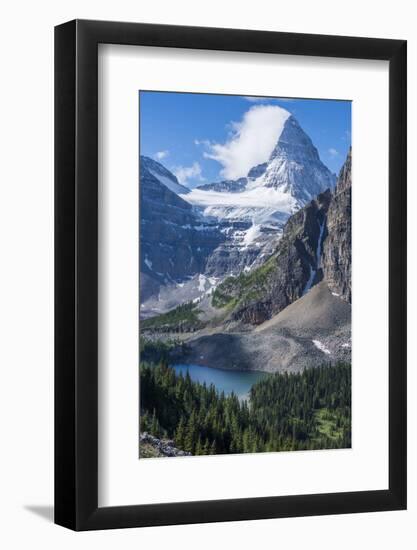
<point>308,410</point>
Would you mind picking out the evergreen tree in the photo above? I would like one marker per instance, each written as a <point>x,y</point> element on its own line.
<point>154,425</point>
<point>180,434</point>
<point>191,434</point>
<point>199,447</point>
<point>309,410</point>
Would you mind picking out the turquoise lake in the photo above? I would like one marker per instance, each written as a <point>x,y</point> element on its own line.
<point>228,381</point>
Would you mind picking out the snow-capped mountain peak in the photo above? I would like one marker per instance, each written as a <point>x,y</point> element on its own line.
<point>222,228</point>
<point>163,175</point>
<point>294,166</point>
<point>294,143</point>
<point>292,176</point>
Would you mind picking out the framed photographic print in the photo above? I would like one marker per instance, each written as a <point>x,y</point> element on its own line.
<point>230,275</point>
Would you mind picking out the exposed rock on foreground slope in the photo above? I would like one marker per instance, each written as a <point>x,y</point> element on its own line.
<point>151,446</point>
<point>313,330</point>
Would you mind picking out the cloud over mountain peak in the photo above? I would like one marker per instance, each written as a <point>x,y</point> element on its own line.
<point>251,141</point>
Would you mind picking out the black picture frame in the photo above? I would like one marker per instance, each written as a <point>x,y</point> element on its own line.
<point>76,272</point>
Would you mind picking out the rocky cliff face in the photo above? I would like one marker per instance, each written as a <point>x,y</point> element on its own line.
<point>228,186</point>
<point>163,175</point>
<point>337,252</point>
<point>174,242</point>
<point>232,227</point>
<point>289,273</point>
<point>315,244</point>
<point>252,210</point>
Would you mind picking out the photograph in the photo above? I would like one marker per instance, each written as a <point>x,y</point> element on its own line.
<point>245,274</point>
<point>204,338</point>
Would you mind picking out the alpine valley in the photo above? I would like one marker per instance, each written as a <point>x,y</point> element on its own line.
<point>253,273</point>
<point>247,277</point>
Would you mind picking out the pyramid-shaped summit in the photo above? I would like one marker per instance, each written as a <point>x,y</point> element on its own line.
<point>294,166</point>
<point>294,143</point>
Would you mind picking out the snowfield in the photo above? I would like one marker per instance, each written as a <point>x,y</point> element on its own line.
<point>321,346</point>
<point>258,197</point>
<point>258,205</point>
<point>251,235</point>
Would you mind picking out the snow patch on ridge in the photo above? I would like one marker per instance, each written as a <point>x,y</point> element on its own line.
<point>201,283</point>
<point>172,186</point>
<point>321,346</point>
<point>148,263</point>
<point>251,235</point>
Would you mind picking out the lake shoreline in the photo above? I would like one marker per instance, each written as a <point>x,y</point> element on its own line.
<point>224,380</point>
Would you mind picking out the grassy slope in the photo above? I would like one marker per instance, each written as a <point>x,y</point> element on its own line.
<point>243,288</point>
<point>184,316</point>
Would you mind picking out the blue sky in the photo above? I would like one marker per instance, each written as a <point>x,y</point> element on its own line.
<point>204,137</point>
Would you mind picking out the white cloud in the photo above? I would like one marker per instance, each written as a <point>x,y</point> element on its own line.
<point>161,155</point>
<point>333,152</point>
<point>251,142</point>
<point>186,173</point>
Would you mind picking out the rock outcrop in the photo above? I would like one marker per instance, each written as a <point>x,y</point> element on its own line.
<point>161,447</point>
<point>228,186</point>
<point>337,247</point>
<point>316,244</point>
<point>163,175</point>
<point>289,273</point>
<point>313,330</point>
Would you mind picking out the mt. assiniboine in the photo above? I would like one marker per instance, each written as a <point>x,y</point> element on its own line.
<point>192,240</point>
<point>293,168</point>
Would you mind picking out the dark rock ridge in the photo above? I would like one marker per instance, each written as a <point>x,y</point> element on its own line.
<point>258,170</point>
<point>337,248</point>
<point>174,241</point>
<point>315,244</point>
<point>287,274</point>
<point>163,174</point>
<point>229,186</point>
